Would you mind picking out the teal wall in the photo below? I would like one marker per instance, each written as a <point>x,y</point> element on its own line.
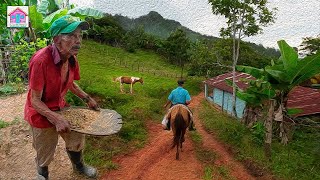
<point>224,99</point>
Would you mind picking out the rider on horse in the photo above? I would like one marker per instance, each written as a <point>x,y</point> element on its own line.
<point>178,96</point>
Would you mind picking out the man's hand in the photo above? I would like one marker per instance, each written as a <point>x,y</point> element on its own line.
<point>62,125</point>
<point>167,103</point>
<point>92,104</point>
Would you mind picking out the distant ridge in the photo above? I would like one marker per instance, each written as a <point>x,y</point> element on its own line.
<point>153,23</point>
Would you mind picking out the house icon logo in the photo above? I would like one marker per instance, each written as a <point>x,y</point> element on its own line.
<point>17,16</point>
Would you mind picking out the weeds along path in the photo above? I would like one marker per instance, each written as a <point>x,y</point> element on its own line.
<point>157,160</point>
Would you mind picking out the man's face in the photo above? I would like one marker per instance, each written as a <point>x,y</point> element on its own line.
<point>69,44</point>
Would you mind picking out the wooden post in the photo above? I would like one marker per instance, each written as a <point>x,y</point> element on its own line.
<point>268,126</point>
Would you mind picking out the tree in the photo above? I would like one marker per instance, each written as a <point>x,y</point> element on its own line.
<point>310,45</point>
<point>282,75</point>
<point>244,18</point>
<point>202,57</point>
<point>177,47</point>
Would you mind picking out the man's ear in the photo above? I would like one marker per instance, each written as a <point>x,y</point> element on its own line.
<point>57,39</point>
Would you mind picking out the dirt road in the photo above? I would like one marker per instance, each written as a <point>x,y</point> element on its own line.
<point>155,161</point>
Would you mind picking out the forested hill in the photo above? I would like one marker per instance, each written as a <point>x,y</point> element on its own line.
<point>154,24</point>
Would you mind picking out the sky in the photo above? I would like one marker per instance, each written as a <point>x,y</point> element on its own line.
<point>295,19</point>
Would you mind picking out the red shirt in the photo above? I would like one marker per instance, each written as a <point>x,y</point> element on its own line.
<point>45,74</point>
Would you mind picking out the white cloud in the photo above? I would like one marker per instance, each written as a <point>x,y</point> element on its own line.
<point>295,18</point>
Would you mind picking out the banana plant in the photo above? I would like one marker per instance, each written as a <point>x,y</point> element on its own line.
<point>43,16</point>
<point>282,75</point>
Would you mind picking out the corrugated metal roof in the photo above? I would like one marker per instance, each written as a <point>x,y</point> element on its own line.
<point>219,81</point>
<point>304,98</point>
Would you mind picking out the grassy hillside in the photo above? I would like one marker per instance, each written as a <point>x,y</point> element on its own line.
<point>99,64</point>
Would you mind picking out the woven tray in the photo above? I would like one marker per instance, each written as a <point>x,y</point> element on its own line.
<point>102,123</point>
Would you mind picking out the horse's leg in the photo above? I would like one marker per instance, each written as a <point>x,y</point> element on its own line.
<point>121,87</point>
<point>177,153</point>
<point>131,88</point>
<point>182,138</point>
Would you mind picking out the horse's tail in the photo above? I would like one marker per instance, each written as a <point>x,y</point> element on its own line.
<point>180,125</point>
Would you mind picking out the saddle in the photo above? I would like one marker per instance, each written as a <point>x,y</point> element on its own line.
<point>183,106</point>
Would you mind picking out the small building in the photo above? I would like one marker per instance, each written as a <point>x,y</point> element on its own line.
<point>218,92</point>
<point>305,99</point>
<point>18,16</point>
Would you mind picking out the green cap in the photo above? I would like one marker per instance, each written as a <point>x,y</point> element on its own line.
<point>67,24</point>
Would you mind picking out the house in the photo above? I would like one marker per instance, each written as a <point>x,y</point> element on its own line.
<point>218,92</point>
<point>18,16</point>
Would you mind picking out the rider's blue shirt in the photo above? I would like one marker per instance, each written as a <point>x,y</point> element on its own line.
<point>179,96</point>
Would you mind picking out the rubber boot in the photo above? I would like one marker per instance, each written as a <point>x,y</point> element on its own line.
<point>43,173</point>
<point>78,165</point>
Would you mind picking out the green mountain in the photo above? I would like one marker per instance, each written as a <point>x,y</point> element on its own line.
<point>154,24</point>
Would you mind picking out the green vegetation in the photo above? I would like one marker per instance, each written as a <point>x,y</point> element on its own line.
<point>3,124</point>
<point>297,160</point>
<point>99,64</point>
<point>12,88</point>
<point>208,157</point>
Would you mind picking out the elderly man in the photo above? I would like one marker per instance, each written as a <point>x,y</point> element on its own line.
<point>52,71</point>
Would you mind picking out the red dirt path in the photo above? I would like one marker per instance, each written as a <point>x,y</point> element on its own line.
<point>157,160</point>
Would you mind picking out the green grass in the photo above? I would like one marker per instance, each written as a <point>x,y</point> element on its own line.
<point>208,174</point>
<point>208,157</point>
<point>11,89</point>
<point>99,64</point>
<point>297,160</point>
<point>4,124</point>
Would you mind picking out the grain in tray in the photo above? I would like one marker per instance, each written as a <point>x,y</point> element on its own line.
<point>80,118</point>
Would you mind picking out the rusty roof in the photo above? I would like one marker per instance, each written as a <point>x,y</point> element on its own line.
<point>219,81</point>
<point>304,98</point>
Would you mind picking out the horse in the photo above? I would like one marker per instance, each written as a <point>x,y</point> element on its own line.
<point>179,119</point>
<point>128,80</point>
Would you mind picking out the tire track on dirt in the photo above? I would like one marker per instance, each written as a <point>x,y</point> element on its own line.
<point>235,168</point>
<point>157,160</point>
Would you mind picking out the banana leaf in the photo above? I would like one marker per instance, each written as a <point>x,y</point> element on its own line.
<point>54,16</point>
<point>255,72</point>
<point>36,19</point>
<point>289,57</point>
<point>82,13</point>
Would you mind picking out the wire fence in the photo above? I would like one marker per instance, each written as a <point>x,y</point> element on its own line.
<point>7,52</point>
<point>139,67</point>
<point>5,59</point>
